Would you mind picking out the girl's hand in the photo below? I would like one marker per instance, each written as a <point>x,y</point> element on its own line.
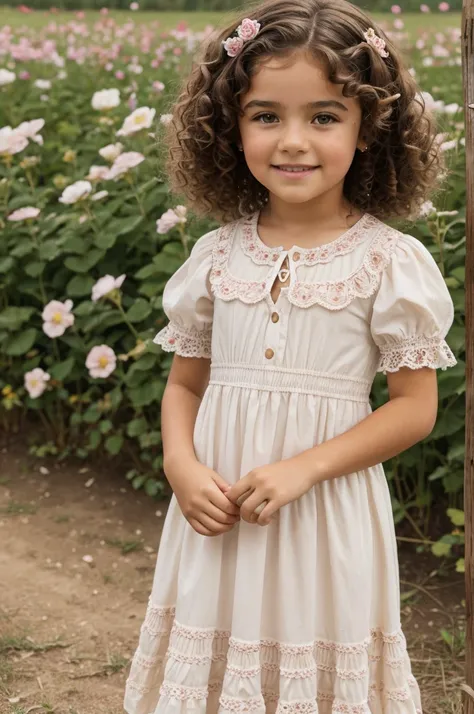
<point>200,494</point>
<point>278,483</point>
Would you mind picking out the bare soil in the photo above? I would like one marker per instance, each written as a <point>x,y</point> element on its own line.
<point>77,554</point>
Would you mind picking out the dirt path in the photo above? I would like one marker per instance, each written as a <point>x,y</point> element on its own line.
<point>68,627</point>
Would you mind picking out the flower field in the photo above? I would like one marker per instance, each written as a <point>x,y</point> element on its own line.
<point>90,233</point>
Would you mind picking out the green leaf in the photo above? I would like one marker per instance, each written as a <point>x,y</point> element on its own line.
<point>106,240</point>
<point>12,318</point>
<point>105,426</point>
<point>21,343</point>
<point>139,311</point>
<point>137,427</point>
<point>460,566</point>
<point>6,264</point>
<point>94,439</point>
<point>80,285</point>
<point>115,396</point>
<point>83,263</point>
<point>114,443</point>
<point>123,226</point>
<point>75,244</point>
<point>49,250</point>
<point>61,370</point>
<point>22,248</point>
<point>92,414</point>
<point>441,549</point>
<point>34,269</point>
<point>456,516</point>
<point>151,438</point>
<point>152,487</point>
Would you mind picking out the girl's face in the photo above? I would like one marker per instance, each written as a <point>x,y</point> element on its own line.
<point>294,117</point>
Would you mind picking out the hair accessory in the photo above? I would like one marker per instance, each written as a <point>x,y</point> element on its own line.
<point>247,30</point>
<point>377,43</point>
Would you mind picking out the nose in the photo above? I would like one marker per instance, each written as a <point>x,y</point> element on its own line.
<point>294,138</point>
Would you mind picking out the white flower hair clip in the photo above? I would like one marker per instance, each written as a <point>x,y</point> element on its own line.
<point>376,42</point>
<point>247,30</point>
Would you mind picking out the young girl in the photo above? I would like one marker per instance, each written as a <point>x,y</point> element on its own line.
<point>276,586</point>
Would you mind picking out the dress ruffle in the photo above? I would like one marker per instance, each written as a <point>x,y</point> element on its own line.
<point>225,675</point>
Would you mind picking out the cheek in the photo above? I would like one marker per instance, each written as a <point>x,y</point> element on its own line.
<point>257,146</point>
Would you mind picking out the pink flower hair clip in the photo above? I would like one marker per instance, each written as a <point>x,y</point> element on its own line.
<point>247,30</point>
<point>377,43</point>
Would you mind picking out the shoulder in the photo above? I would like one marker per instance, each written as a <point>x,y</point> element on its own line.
<point>391,246</point>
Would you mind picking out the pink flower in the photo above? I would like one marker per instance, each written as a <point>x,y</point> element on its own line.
<point>123,163</point>
<point>35,382</point>
<point>119,74</point>
<point>170,219</point>
<point>106,285</point>
<point>248,29</point>
<point>396,9</point>
<point>233,46</point>
<point>22,214</point>
<point>101,361</point>
<point>424,8</point>
<point>376,42</point>
<point>443,6</point>
<point>57,317</point>
<point>158,86</point>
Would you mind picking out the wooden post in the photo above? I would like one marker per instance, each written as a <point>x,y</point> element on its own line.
<point>467,39</point>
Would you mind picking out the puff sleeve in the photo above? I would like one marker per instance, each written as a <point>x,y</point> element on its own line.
<point>189,305</point>
<point>412,311</point>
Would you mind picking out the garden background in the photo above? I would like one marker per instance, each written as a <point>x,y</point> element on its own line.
<point>89,237</point>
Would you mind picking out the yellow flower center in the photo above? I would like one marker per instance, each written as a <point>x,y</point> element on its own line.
<point>34,383</point>
<point>139,119</point>
<point>103,362</point>
<point>57,318</point>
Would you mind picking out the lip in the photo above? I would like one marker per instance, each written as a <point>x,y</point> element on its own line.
<point>296,174</point>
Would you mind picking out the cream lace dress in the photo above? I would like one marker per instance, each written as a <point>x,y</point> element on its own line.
<point>302,615</point>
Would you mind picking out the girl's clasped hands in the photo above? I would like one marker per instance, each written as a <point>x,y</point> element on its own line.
<point>212,507</point>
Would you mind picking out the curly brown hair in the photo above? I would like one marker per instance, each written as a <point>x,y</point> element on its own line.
<point>403,164</point>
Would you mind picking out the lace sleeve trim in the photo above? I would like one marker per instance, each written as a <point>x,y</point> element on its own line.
<point>416,352</point>
<point>185,341</point>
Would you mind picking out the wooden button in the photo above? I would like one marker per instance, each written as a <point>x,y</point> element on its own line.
<point>275,317</point>
<point>269,353</point>
<point>296,256</point>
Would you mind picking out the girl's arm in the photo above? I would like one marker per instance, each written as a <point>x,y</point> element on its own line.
<point>185,388</point>
<point>407,418</point>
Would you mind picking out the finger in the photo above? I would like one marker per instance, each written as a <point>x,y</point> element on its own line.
<point>199,528</point>
<point>213,525</point>
<point>268,513</point>
<point>251,503</point>
<point>238,489</point>
<point>223,503</point>
<point>241,499</point>
<point>220,516</point>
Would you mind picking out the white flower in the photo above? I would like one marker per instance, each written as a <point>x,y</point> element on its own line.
<point>170,219</point>
<point>57,317</point>
<point>448,145</point>
<point>106,99</point>
<point>30,129</point>
<point>87,558</point>
<point>134,6</point>
<point>99,195</point>
<point>43,84</point>
<point>105,285</point>
<point>141,118</point>
<point>98,173</point>
<point>6,77</point>
<point>35,382</point>
<point>124,162</point>
<point>22,214</point>
<point>75,192</point>
<point>166,119</point>
<point>101,361</point>
<point>11,142</point>
<point>135,68</point>
<point>111,151</point>
<point>426,209</point>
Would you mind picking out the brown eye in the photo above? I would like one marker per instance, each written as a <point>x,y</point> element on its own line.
<point>261,116</point>
<point>326,116</point>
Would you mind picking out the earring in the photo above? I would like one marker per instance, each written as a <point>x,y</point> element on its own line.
<point>240,147</point>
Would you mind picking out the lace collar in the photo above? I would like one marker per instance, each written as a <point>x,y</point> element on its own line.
<point>261,254</point>
<point>332,294</point>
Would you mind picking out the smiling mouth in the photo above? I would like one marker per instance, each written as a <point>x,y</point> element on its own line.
<point>294,169</point>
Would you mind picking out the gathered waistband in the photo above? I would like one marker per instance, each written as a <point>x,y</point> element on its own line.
<point>299,381</point>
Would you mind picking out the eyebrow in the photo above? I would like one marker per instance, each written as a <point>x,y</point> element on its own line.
<point>322,104</point>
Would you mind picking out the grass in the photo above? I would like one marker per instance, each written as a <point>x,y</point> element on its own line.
<point>414,22</point>
<point>126,546</point>
<point>15,508</point>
